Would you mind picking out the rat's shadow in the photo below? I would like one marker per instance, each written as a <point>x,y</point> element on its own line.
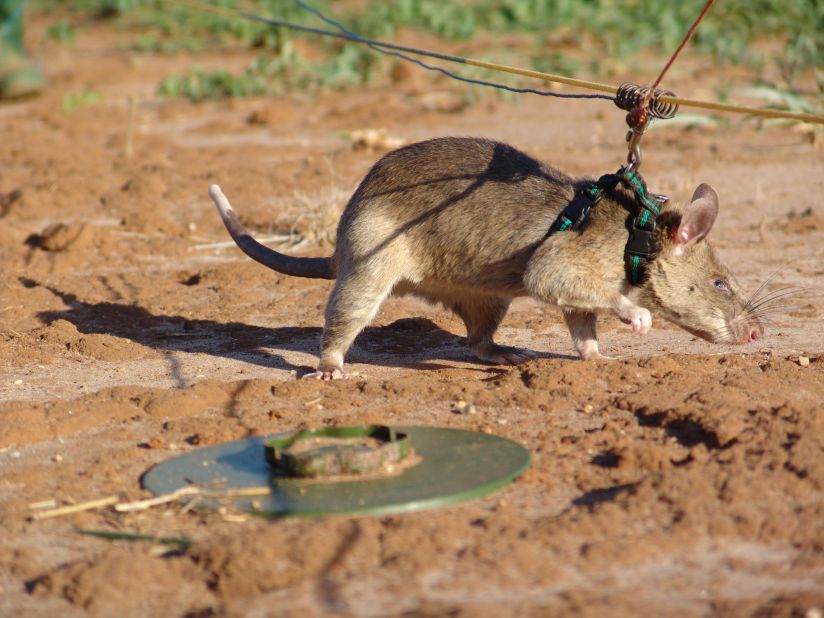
<point>409,342</point>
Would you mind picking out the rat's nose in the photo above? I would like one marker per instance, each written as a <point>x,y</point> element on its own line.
<point>753,334</point>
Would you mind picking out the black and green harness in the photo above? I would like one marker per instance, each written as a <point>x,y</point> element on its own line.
<point>641,247</point>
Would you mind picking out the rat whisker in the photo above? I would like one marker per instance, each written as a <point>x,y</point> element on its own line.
<point>767,320</point>
<point>772,293</point>
<point>777,295</point>
<point>771,311</point>
<point>775,304</point>
<point>769,315</point>
<point>783,300</point>
<point>759,294</point>
<point>763,285</point>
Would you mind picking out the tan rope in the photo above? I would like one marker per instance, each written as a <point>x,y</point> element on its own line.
<point>560,79</point>
<point>708,105</point>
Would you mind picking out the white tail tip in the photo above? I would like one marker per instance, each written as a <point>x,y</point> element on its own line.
<point>220,200</point>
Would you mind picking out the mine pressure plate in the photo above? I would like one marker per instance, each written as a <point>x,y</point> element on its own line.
<point>337,452</point>
<point>371,469</point>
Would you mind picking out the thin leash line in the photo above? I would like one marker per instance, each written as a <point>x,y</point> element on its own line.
<point>391,49</point>
<point>547,77</point>
<point>675,54</point>
<point>376,47</point>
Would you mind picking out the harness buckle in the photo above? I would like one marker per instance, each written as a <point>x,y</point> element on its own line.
<point>573,215</point>
<point>641,241</point>
<point>578,210</point>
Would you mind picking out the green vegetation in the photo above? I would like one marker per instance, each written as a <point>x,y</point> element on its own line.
<point>793,31</point>
<point>284,70</point>
<point>74,101</point>
<point>61,31</point>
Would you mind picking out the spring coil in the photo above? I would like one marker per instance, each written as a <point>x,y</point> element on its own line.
<point>630,96</point>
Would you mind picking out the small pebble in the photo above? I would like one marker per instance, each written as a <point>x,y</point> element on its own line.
<point>18,381</point>
<point>156,442</point>
<point>462,407</point>
<point>57,458</point>
<point>804,361</point>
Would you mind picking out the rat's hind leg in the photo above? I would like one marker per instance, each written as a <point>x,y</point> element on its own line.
<point>581,326</point>
<point>482,315</point>
<point>353,303</point>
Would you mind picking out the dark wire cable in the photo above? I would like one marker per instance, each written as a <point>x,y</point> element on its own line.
<point>376,46</point>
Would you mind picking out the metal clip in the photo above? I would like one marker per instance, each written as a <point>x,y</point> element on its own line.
<point>637,119</point>
<point>634,147</point>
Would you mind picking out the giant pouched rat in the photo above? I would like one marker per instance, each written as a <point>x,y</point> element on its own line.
<point>465,222</point>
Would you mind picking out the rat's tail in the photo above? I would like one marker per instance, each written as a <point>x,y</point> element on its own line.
<point>313,268</point>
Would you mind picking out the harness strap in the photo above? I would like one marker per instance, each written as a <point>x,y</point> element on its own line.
<point>576,212</point>
<point>640,248</point>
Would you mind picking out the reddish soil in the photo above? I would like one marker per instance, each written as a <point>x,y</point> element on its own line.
<point>681,479</point>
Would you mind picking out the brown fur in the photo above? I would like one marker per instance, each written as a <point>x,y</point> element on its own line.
<point>464,222</point>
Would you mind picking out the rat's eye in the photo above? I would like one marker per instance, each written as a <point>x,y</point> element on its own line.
<point>721,285</point>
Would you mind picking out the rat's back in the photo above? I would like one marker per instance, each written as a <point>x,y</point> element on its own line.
<point>462,210</point>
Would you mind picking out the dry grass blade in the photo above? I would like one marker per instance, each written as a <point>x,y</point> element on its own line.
<point>142,505</point>
<point>76,508</point>
<point>273,238</point>
<point>191,491</point>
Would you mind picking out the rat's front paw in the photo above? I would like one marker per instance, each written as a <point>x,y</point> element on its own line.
<point>639,318</point>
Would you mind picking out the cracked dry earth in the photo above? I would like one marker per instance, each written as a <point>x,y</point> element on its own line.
<point>682,479</point>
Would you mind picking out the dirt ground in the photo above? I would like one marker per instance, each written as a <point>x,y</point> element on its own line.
<point>681,479</point>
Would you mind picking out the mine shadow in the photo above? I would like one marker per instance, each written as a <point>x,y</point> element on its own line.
<point>383,346</point>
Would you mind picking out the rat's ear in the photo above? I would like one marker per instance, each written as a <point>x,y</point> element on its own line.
<point>698,218</point>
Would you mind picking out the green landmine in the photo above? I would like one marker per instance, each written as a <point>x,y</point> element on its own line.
<point>384,470</point>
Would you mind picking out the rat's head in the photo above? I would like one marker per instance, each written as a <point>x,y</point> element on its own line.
<point>687,285</point>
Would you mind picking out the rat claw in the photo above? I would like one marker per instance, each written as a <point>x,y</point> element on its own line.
<point>596,355</point>
<point>325,376</point>
<point>588,350</point>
